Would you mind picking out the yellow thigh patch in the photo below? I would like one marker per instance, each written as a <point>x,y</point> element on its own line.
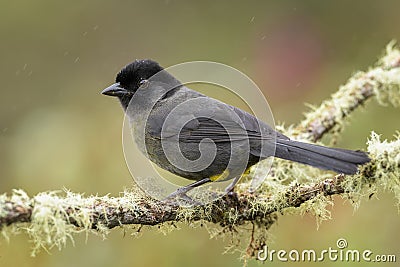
<point>225,175</point>
<point>221,176</point>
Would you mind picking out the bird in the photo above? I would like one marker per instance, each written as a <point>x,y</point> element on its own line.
<point>175,126</point>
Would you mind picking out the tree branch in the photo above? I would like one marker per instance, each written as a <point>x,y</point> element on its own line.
<point>111,212</point>
<point>50,218</point>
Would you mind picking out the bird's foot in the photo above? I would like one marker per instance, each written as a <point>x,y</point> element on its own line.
<point>180,198</point>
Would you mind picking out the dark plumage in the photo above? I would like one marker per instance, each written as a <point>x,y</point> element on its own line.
<point>165,93</point>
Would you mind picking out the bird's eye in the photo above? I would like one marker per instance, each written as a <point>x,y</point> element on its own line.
<point>143,83</point>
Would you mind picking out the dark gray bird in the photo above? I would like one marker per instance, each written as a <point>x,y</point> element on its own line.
<point>203,139</point>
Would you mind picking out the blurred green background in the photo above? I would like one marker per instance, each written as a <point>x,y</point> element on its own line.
<point>56,130</point>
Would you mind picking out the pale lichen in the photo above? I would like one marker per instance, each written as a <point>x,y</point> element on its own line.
<point>21,199</point>
<point>382,172</point>
<point>316,206</point>
<point>386,156</point>
<point>55,218</point>
<point>50,221</point>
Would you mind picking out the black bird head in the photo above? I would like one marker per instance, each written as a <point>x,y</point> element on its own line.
<point>130,78</point>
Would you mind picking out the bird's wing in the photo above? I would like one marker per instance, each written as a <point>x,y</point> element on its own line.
<point>221,123</point>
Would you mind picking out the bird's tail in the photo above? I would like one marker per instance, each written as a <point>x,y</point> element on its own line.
<point>335,159</point>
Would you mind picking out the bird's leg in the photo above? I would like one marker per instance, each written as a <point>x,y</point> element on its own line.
<point>181,192</point>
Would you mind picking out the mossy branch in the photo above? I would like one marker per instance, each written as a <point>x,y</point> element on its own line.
<point>51,218</point>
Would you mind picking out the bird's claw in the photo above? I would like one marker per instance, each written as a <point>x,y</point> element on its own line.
<point>180,198</point>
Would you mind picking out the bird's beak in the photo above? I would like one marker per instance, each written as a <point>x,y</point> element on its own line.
<point>114,90</point>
